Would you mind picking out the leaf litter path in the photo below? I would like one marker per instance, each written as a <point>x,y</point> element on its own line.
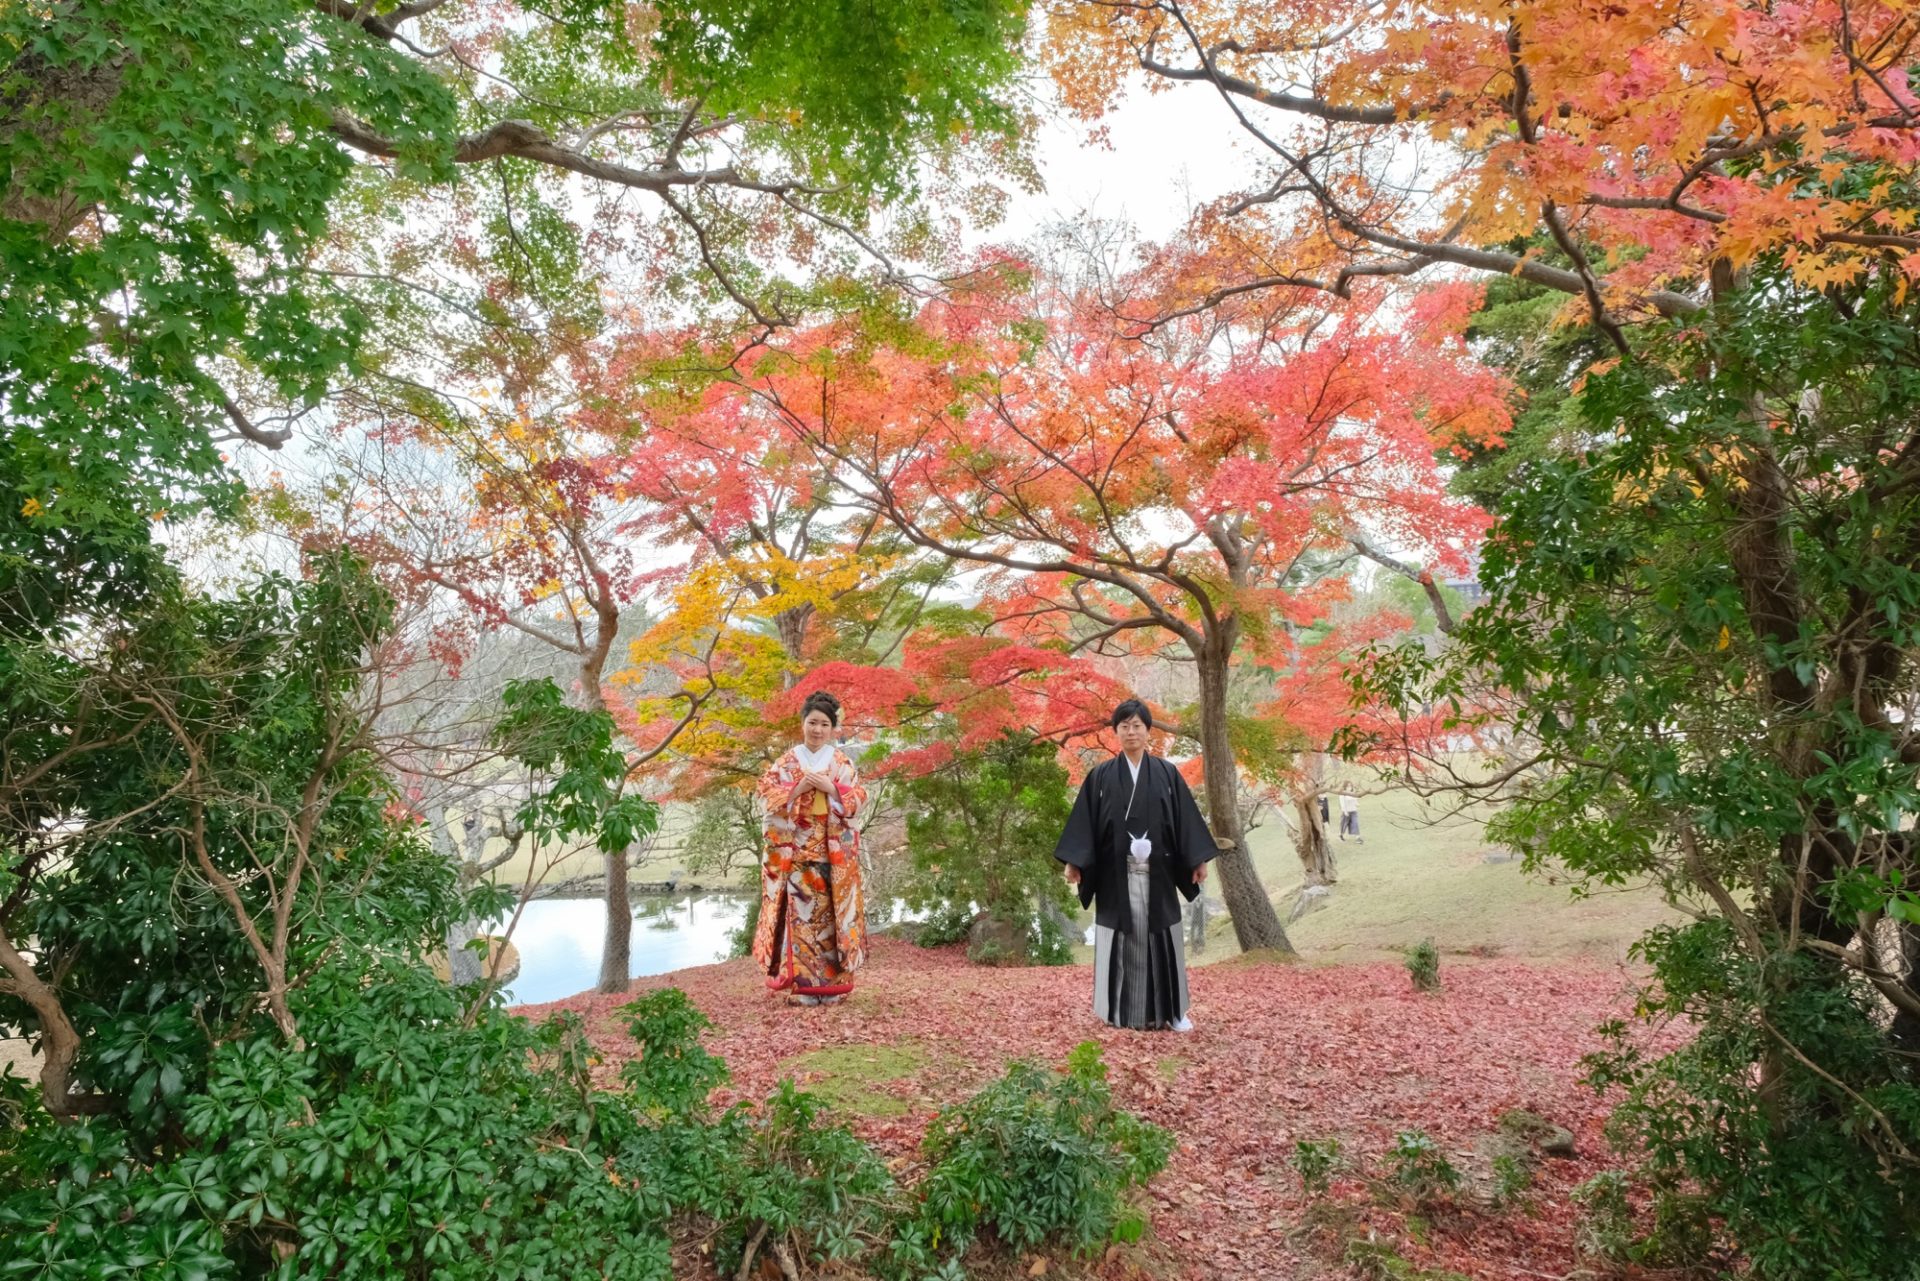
<point>1280,1053</point>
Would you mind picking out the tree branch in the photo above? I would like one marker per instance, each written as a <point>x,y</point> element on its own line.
<point>527,141</point>
<point>59,1040</point>
<point>1444,616</point>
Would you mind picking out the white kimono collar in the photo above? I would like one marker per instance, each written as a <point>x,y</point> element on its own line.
<point>812,761</point>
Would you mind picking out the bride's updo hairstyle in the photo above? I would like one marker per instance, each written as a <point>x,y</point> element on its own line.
<point>821,701</point>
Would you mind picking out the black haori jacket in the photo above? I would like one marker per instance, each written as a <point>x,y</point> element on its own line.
<point>1098,835</point>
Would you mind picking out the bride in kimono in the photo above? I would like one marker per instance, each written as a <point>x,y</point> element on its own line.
<point>812,935</point>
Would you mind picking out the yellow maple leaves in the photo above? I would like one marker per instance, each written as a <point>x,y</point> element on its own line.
<point>1724,464</point>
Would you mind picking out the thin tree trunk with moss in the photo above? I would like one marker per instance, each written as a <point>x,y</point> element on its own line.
<point>1255,924</point>
<point>1311,844</point>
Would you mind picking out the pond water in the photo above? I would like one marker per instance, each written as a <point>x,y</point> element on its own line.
<point>559,940</point>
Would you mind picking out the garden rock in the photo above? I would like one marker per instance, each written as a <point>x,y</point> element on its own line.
<point>1310,899</point>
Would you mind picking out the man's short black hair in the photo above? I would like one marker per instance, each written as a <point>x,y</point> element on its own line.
<point>1128,710</point>
<point>821,701</point>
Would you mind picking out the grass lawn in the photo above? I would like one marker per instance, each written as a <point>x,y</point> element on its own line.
<point>557,862</point>
<point>1418,875</point>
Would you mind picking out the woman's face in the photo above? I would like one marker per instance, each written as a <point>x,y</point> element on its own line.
<point>1133,733</point>
<point>817,729</point>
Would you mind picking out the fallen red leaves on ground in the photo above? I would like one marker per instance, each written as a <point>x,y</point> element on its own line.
<point>1280,1053</point>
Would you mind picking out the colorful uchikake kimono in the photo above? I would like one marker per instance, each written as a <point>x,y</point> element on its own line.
<point>812,934</point>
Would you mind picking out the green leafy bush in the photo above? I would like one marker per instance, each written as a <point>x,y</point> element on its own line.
<point>1423,964</point>
<point>740,940</point>
<point>1036,1155</point>
<point>945,925</point>
<point>1315,1161</point>
<point>1605,1229</point>
<point>1782,1170</point>
<point>811,1181</point>
<point>980,832</point>
<point>413,1146</point>
<point>777,1176</point>
<point>1052,940</point>
<point>1419,1167</point>
<point>1511,1179</point>
<point>398,1140</point>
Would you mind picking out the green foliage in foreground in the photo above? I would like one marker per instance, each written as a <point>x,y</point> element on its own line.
<point>231,916</point>
<point>1034,1157</point>
<point>1701,650</point>
<point>1423,965</point>
<point>1787,1171</point>
<point>409,1141</point>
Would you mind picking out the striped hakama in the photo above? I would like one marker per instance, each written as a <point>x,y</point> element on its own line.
<point>1139,977</point>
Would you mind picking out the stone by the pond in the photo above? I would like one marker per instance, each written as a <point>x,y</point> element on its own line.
<point>1310,899</point>
<point>992,941</point>
<point>1546,1137</point>
<point>503,961</point>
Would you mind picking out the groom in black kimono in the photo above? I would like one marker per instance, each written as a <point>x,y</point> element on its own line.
<point>1134,840</point>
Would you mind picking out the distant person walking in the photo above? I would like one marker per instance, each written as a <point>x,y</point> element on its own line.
<point>1350,817</point>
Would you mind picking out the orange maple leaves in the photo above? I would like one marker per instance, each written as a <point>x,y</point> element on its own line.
<point>1645,139</point>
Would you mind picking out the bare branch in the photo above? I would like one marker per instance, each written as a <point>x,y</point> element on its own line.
<point>1299,104</point>
<point>272,439</point>
<point>1365,546</point>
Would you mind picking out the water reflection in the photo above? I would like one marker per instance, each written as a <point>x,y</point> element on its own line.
<point>559,940</point>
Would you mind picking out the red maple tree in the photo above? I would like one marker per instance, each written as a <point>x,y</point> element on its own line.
<point>1191,491</point>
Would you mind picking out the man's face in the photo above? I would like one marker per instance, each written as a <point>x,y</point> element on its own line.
<point>1133,735</point>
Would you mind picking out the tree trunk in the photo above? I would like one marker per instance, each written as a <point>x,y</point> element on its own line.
<point>1316,854</point>
<point>52,97</point>
<point>464,966</point>
<point>792,627</point>
<point>59,1040</point>
<point>616,957</point>
<point>1310,839</point>
<point>1255,924</point>
<point>1197,925</point>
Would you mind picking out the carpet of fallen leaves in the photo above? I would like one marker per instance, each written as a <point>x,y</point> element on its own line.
<point>1280,1053</point>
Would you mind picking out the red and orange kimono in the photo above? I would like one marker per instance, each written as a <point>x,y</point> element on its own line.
<point>813,922</point>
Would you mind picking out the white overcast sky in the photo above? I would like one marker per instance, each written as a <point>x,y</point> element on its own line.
<point>1164,153</point>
